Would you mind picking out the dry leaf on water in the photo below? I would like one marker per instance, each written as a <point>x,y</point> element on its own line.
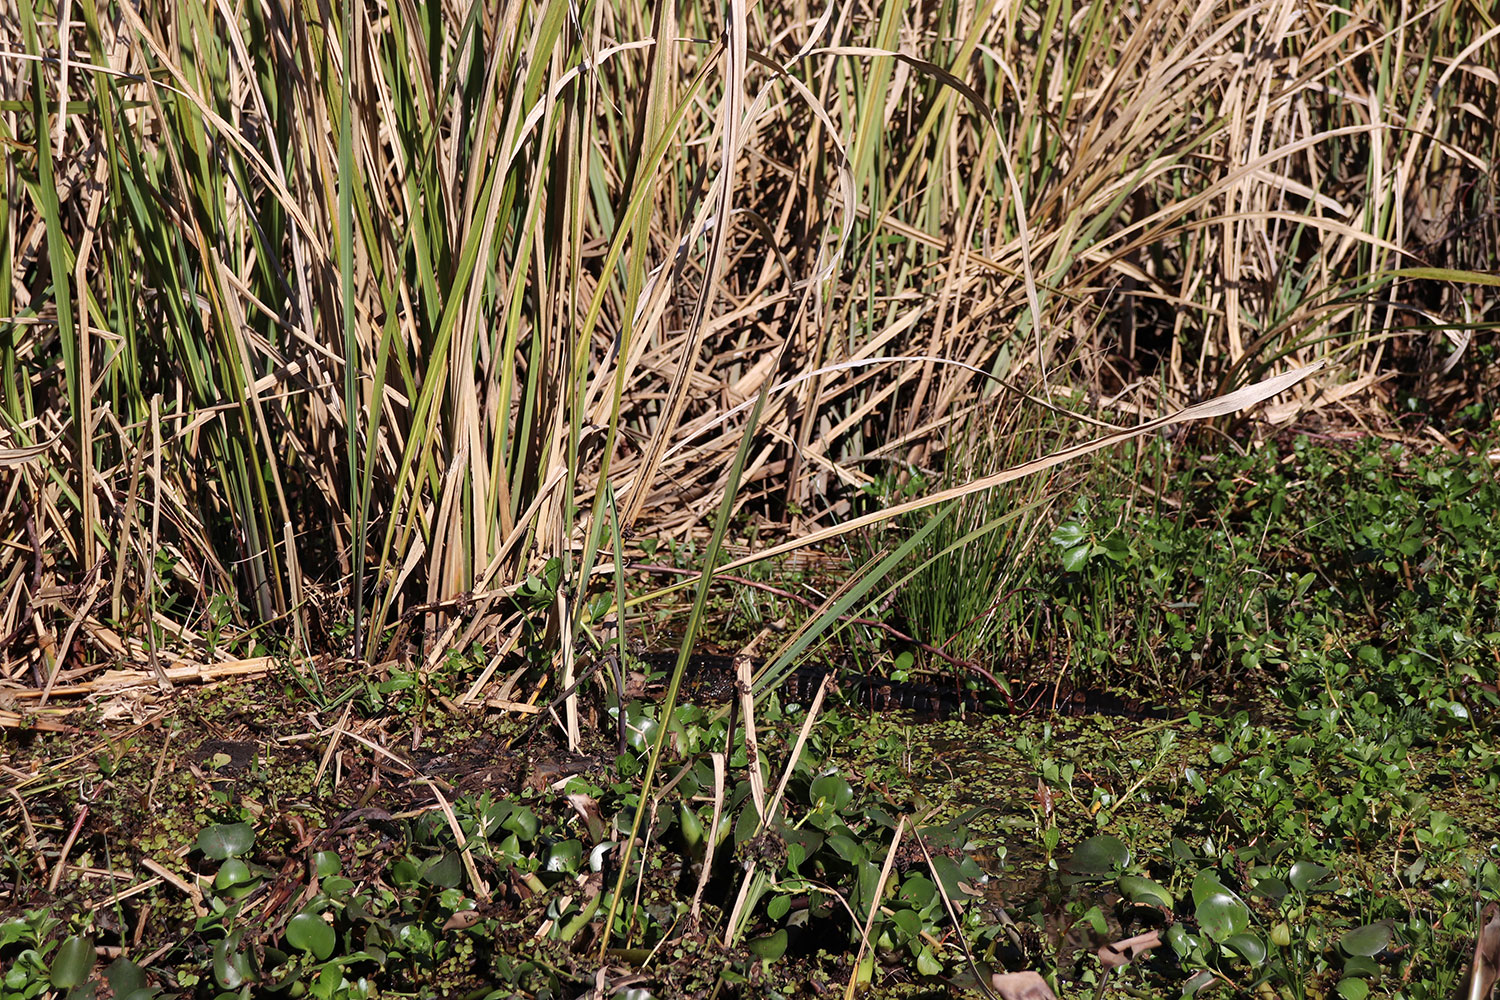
<point>1121,953</point>
<point>1022,986</point>
<point>1485,969</point>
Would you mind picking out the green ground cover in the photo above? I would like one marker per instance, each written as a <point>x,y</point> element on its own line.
<point>1318,818</point>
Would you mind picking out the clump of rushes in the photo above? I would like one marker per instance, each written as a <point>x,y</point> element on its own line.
<point>338,343</point>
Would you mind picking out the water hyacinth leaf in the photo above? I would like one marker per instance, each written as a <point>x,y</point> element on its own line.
<point>867,876</point>
<point>232,872</point>
<point>1197,982</point>
<point>769,948</point>
<point>308,933</point>
<point>326,863</point>
<point>831,791</point>
<point>1248,946</point>
<point>231,968</point>
<point>908,922</point>
<point>918,890</point>
<point>74,962</point>
<point>1144,890</point>
<point>564,857</point>
<point>1309,876</point>
<point>124,977</point>
<point>746,825</point>
<point>226,840</point>
<point>445,871</point>
<point>1181,941</point>
<point>927,963</point>
<point>1353,989</point>
<point>956,879</point>
<point>1221,914</point>
<point>691,826</point>
<point>523,823</point>
<point>1271,888</point>
<point>641,733</point>
<point>1099,855</point>
<point>848,848</point>
<point>404,872</point>
<point>1206,884</point>
<point>1368,941</point>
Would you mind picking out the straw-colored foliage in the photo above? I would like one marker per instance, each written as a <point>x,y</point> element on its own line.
<point>309,315</point>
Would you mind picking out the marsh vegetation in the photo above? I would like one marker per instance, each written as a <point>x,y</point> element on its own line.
<point>377,385</point>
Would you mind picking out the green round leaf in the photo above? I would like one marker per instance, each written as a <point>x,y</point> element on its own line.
<point>1309,876</point>
<point>446,871</point>
<point>325,863</point>
<point>307,932</point>
<point>1353,989</point>
<point>927,965</point>
<point>1098,855</point>
<point>1074,559</point>
<point>226,840</point>
<point>768,948</point>
<point>832,790</point>
<point>1221,914</point>
<point>231,969</point>
<point>1271,888</point>
<point>1248,946</point>
<point>1369,940</point>
<point>1181,941</point>
<point>1205,884</point>
<point>641,733</point>
<point>1145,891</point>
<point>232,872</point>
<point>908,922</point>
<point>1069,535</point>
<point>523,823</point>
<point>1198,982</point>
<point>124,977</point>
<point>564,857</point>
<point>918,890</point>
<point>404,873</point>
<point>74,962</point>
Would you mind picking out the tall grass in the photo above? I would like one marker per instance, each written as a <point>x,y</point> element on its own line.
<point>380,308</point>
